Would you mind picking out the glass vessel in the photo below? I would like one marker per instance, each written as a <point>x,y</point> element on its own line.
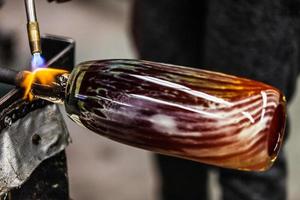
<point>194,114</point>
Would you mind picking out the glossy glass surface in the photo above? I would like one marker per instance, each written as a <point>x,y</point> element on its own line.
<point>194,114</point>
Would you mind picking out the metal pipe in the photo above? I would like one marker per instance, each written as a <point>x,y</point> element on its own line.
<point>30,10</point>
<point>9,76</point>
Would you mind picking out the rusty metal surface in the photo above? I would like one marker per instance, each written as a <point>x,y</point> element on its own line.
<point>29,141</point>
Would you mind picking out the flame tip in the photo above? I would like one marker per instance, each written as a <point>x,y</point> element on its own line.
<point>37,61</point>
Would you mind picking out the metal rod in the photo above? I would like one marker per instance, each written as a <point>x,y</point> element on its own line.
<point>30,10</point>
<point>9,76</point>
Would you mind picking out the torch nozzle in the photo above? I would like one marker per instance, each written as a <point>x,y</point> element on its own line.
<point>34,37</point>
<point>33,29</point>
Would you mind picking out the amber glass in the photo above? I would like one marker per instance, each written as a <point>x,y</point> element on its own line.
<point>195,114</point>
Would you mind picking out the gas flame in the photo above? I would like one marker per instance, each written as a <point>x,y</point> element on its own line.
<point>44,76</point>
<point>37,61</point>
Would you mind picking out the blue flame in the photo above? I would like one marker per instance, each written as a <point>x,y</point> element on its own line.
<point>37,61</point>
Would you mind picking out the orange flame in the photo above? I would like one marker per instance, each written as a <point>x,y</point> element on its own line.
<point>44,76</point>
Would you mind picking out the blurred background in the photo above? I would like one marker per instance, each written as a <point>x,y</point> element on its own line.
<point>98,167</point>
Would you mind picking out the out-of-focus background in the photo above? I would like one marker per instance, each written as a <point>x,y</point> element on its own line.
<point>98,167</point>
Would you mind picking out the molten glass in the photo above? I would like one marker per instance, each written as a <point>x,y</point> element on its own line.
<point>40,77</point>
<point>195,114</point>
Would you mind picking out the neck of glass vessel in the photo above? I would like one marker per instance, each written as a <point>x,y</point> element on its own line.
<point>54,92</point>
